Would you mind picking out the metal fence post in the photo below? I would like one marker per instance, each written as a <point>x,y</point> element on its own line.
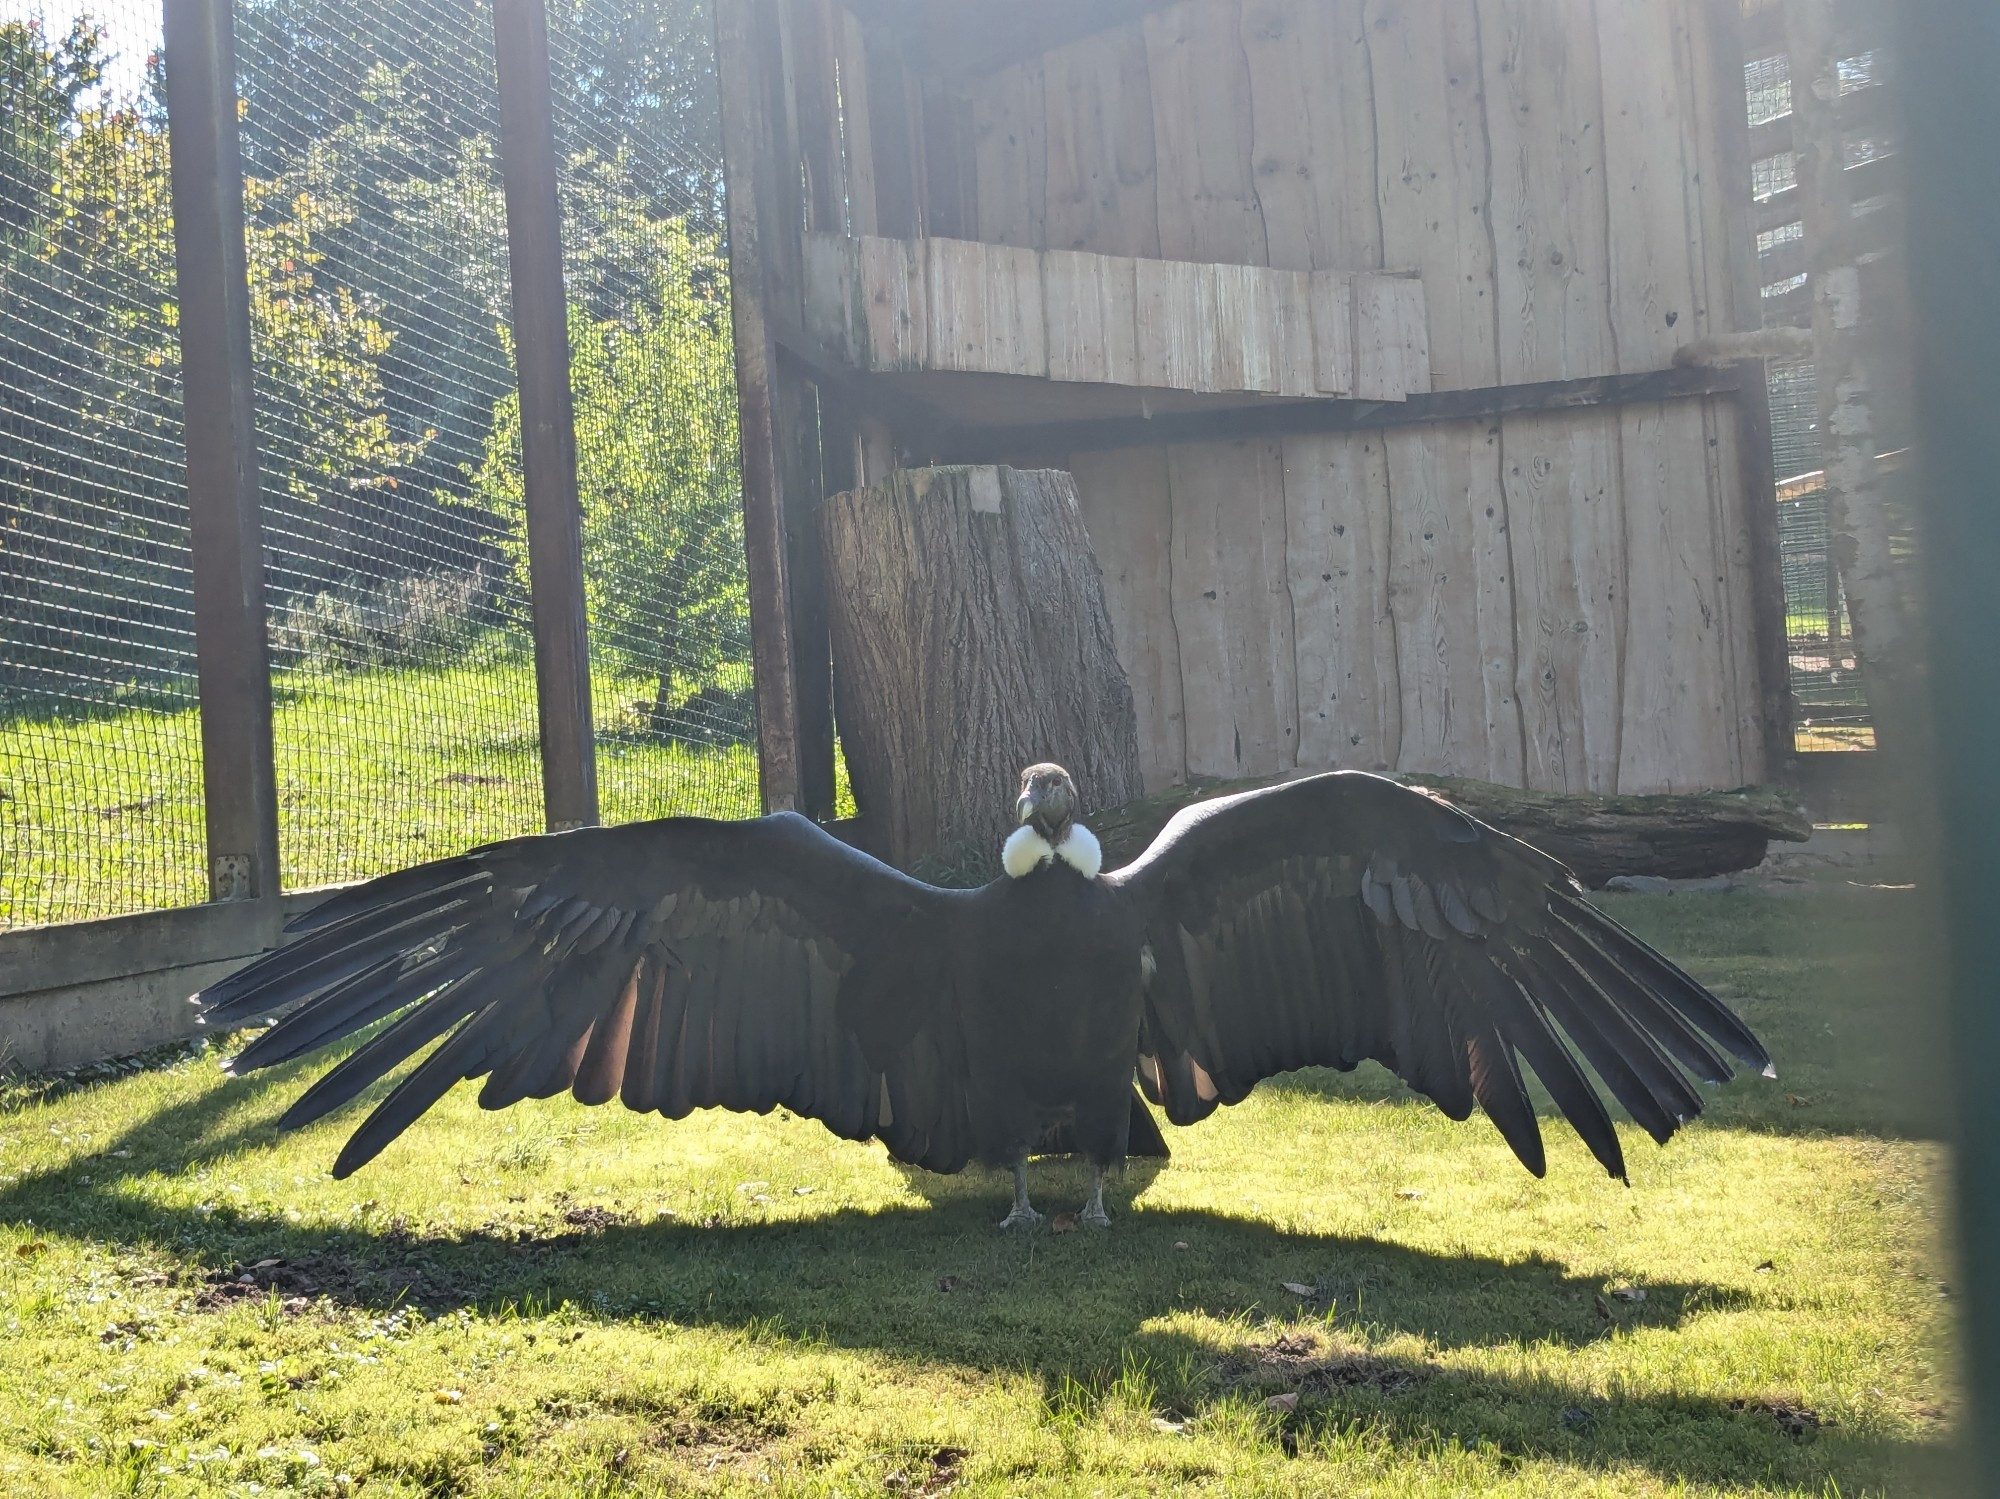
<point>548,425</point>
<point>239,783</point>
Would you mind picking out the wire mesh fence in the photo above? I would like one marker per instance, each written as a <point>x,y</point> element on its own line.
<point>100,745</point>
<point>388,437</point>
<point>1830,702</point>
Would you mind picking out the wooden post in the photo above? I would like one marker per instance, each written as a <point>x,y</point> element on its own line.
<point>1857,528</point>
<point>548,426</point>
<point>239,784</point>
<point>745,163</point>
<point>1753,400</point>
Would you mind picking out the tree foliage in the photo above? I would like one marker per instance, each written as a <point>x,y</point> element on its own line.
<point>654,393</point>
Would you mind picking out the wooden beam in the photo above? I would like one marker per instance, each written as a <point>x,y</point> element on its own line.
<point>746,161</point>
<point>239,783</point>
<point>1868,179</point>
<point>548,423</point>
<point>1775,709</point>
<point>1049,441</point>
<point>966,39</point>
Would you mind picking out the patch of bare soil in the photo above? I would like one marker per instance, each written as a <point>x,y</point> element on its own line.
<point>339,1277</point>
<point>935,1474</point>
<point>1315,1364</point>
<point>713,1446</point>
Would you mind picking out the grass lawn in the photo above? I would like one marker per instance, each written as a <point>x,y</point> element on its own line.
<point>558,1301</point>
<point>376,769</point>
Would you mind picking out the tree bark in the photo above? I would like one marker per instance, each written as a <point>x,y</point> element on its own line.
<point>970,639</point>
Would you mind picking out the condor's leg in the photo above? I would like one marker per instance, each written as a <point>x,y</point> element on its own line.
<point>1093,1213</point>
<point>1023,1215</point>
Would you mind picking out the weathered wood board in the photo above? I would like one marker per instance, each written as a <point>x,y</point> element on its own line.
<point>967,306</point>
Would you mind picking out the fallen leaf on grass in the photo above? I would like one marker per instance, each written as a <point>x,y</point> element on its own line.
<point>949,1283</point>
<point>1628,1293</point>
<point>1299,1290</point>
<point>1410,1194</point>
<point>802,1191</point>
<point>1766,1267</point>
<point>1180,1243</point>
<point>1284,1404</point>
<point>29,1251</point>
<point>1798,1100</point>
<point>1063,1223</point>
<point>1577,1416</point>
<point>1171,1428</point>
<point>448,1397</point>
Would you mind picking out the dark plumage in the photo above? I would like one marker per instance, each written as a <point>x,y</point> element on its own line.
<point>684,964</point>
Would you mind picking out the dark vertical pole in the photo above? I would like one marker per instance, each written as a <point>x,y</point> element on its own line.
<point>744,164</point>
<point>239,785</point>
<point>1951,57</point>
<point>1753,401</point>
<point>548,426</point>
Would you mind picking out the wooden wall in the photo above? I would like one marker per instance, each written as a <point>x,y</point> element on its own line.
<point>1560,600</point>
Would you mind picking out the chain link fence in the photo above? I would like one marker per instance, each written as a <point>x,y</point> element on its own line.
<point>405,718</point>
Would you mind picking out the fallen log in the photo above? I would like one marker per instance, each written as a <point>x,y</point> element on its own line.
<point>1688,836</point>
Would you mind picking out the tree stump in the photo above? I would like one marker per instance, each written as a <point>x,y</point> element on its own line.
<point>970,639</point>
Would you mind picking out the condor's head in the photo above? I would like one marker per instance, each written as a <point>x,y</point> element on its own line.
<point>1047,802</point>
<point>1049,832</point>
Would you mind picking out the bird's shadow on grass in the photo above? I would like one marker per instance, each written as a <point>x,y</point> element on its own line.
<point>1190,1312</point>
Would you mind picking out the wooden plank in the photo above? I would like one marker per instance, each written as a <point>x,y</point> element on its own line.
<point>834,285</point>
<point>1091,304</point>
<point>1431,179</point>
<point>1431,599</point>
<point>1050,440</point>
<point>1392,354</point>
<point>548,422</point>
<point>895,304</point>
<point>1102,189</point>
<point>1545,103</point>
<point>1653,292</point>
<point>748,160</point>
<point>1169,330</point>
<point>1674,733</point>
<point>810,47</point>
<point>233,662</point>
<point>951,164</point>
<point>1295,355</point>
<point>985,308</point>
<point>895,128</point>
<point>1128,511</point>
<point>1010,142</point>
<point>857,123</point>
<point>1231,613</point>
<point>1239,330</point>
<point>1336,520</point>
<point>955,275</point>
<point>1017,325</point>
<point>1333,332</point>
<point>1562,487</point>
<point>1488,528</point>
<point>1201,101</point>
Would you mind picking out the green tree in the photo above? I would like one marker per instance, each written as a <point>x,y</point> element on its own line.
<point>654,391</point>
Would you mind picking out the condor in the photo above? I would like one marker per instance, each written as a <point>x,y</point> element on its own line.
<point>685,964</point>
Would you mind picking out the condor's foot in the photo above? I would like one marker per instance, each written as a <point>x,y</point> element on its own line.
<point>1023,1216</point>
<point>1093,1214</point>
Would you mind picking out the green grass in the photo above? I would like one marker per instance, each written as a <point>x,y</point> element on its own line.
<point>376,769</point>
<point>557,1301</point>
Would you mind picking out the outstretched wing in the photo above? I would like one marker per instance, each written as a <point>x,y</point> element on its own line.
<point>1344,917</point>
<point>677,965</point>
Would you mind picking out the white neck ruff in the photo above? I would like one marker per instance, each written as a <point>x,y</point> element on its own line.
<point>1027,850</point>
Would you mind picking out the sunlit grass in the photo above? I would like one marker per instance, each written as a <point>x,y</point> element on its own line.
<point>376,769</point>
<point>556,1301</point>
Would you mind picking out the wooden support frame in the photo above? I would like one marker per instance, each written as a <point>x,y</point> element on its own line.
<point>745,154</point>
<point>548,424</point>
<point>239,782</point>
<point>1753,402</point>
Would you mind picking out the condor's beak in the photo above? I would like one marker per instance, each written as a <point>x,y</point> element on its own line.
<point>1024,809</point>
